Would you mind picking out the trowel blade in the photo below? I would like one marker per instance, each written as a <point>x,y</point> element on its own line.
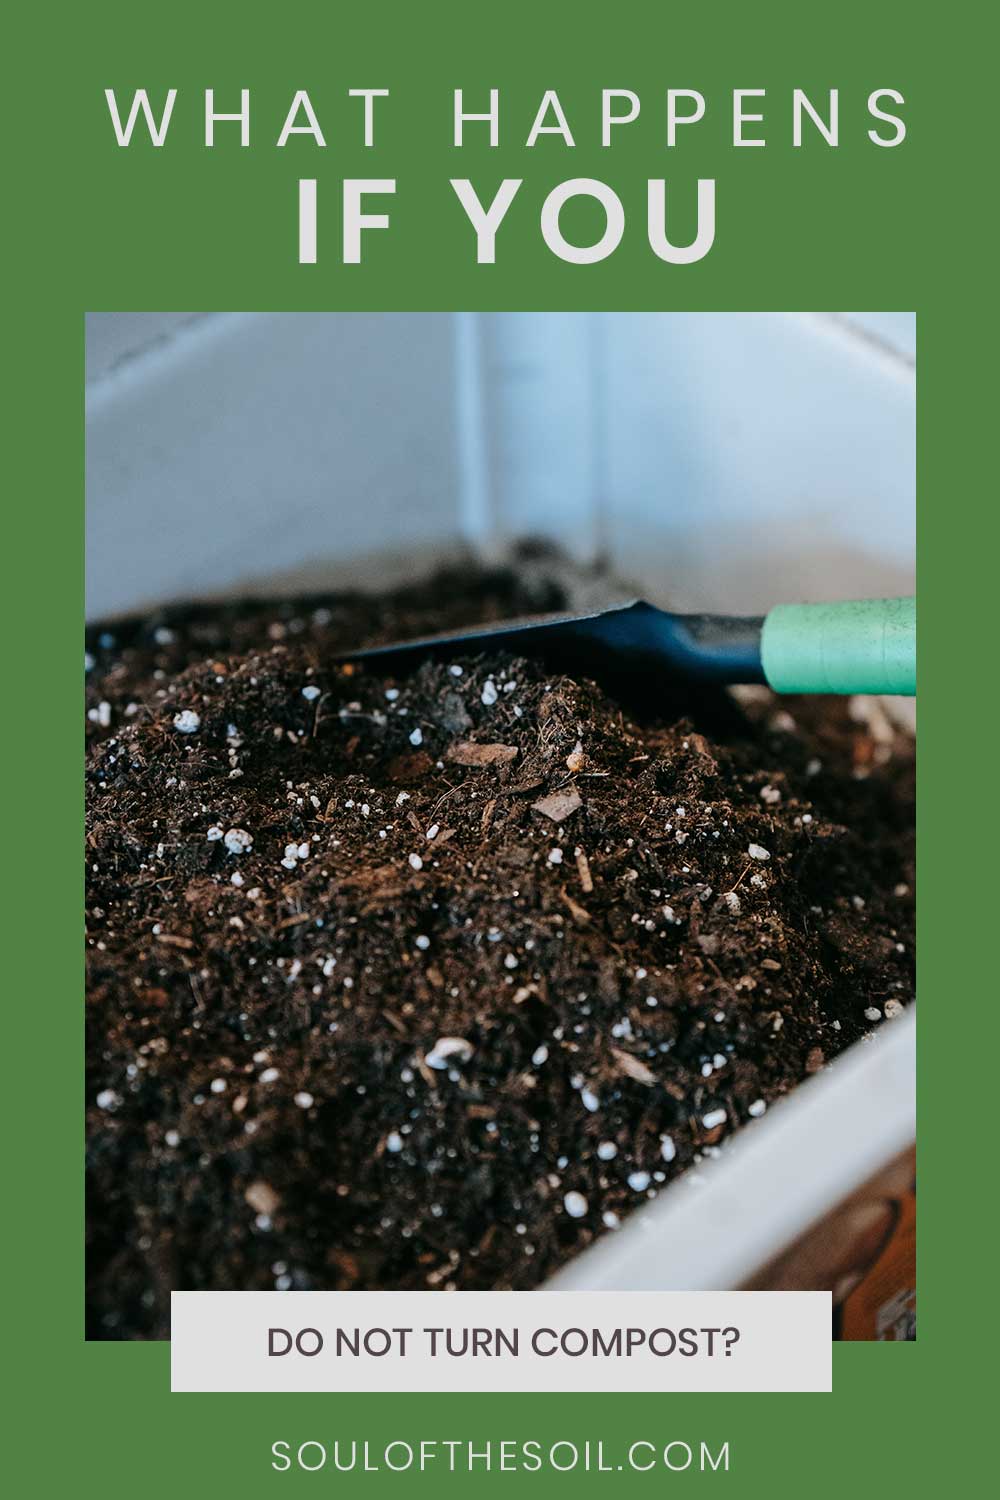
<point>631,640</point>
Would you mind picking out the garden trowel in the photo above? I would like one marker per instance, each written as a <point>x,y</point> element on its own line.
<point>855,646</point>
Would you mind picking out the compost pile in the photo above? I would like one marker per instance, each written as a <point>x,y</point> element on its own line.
<point>430,982</point>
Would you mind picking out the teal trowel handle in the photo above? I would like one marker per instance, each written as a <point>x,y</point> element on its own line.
<point>857,646</point>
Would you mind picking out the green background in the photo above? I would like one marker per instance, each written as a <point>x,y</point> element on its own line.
<point>89,226</point>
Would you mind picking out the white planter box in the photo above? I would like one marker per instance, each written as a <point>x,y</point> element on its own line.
<point>716,460</point>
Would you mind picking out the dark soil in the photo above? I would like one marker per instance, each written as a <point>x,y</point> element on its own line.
<point>496,966</point>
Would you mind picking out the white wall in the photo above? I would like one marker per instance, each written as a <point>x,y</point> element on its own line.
<point>237,447</point>
<point>719,459</point>
<point>776,452</point>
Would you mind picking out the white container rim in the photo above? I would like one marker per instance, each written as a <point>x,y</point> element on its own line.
<point>722,1221</point>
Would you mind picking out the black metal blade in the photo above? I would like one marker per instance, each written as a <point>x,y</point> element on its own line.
<point>634,640</point>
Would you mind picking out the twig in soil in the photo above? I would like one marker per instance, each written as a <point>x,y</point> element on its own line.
<point>577,912</point>
<point>445,795</point>
<point>746,872</point>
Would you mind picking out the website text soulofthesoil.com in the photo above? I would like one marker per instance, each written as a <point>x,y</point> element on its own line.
<point>503,1455</point>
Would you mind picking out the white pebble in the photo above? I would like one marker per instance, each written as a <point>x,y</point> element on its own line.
<point>771,795</point>
<point>214,833</point>
<point>607,1151</point>
<point>872,1013</point>
<point>304,1100</point>
<point>667,1148</point>
<point>423,942</point>
<point>108,1099</point>
<point>447,1048</point>
<point>757,851</point>
<point>555,856</point>
<point>455,670</point>
<point>432,832</point>
<point>893,1008</point>
<point>540,1055</point>
<point>237,840</point>
<point>713,1118</point>
<point>416,862</point>
<point>416,738</point>
<point>236,878</point>
<point>489,693</point>
<point>394,1141</point>
<point>172,1138</point>
<point>575,1205</point>
<point>218,1085</point>
<point>187,721</point>
<point>756,1109</point>
<point>609,1219</point>
<point>269,1075</point>
<point>638,1181</point>
<point>589,1100</point>
<point>311,693</point>
<point>391,694</point>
